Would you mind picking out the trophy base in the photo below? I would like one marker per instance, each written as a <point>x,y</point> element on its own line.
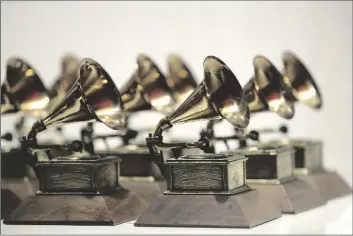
<point>243,210</point>
<point>17,181</point>
<point>13,163</point>
<point>294,196</point>
<point>9,202</point>
<point>110,209</point>
<point>328,183</point>
<point>147,190</point>
<point>14,191</point>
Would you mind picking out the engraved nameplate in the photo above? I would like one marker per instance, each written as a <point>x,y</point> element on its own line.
<point>206,174</point>
<point>235,175</point>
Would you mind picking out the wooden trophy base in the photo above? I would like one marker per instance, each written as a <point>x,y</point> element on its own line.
<point>243,210</point>
<point>109,209</point>
<point>208,190</point>
<point>308,167</point>
<point>13,163</point>
<point>328,183</point>
<point>294,196</point>
<point>16,181</point>
<point>14,191</point>
<point>82,191</point>
<point>148,191</point>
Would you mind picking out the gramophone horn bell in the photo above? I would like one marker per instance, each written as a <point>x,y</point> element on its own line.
<point>101,94</point>
<point>67,77</point>
<point>153,85</point>
<point>26,87</point>
<point>93,96</point>
<point>265,90</point>
<point>218,96</point>
<point>180,78</point>
<point>147,89</point>
<point>299,81</point>
<point>8,104</point>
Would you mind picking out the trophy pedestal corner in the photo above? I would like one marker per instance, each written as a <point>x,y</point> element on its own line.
<point>293,196</point>
<point>88,193</point>
<point>9,202</point>
<point>109,209</point>
<point>329,184</point>
<point>243,210</point>
<point>14,191</point>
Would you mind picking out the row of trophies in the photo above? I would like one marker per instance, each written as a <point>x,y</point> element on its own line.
<point>162,181</point>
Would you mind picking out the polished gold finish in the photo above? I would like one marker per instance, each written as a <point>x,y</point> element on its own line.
<point>180,79</point>
<point>147,89</point>
<point>67,77</point>
<point>26,87</point>
<point>299,81</point>
<point>93,96</point>
<point>8,104</point>
<point>218,96</point>
<point>265,90</point>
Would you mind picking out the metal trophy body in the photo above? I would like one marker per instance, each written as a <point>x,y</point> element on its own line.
<point>309,152</point>
<point>147,89</point>
<point>57,91</point>
<point>79,189</point>
<point>22,92</point>
<point>270,169</point>
<point>182,82</point>
<point>206,190</point>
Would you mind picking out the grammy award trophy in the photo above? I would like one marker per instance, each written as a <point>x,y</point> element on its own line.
<point>270,169</point>
<point>206,190</point>
<point>148,89</point>
<point>308,152</point>
<point>79,189</point>
<point>22,93</point>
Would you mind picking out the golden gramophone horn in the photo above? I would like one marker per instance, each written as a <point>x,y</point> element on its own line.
<point>300,83</point>
<point>265,90</point>
<point>147,89</point>
<point>94,96</point>
<point>180,79</point>
<point>8,104</point>
<point>218,96</point>
<point>26,87</point>
<point>67,77</point>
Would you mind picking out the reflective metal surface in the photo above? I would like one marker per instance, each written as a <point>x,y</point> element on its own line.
<point>180,79</point>
<point>299,81</point>
<point>8,104</point>
<point>67,77</point>
<point>265,90</point>
<point>147,89</point>
<point>132,96</point>
<point>218,96</point>
<point>24,83</point>
<point>93,96</point>
<point>154,85</point>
